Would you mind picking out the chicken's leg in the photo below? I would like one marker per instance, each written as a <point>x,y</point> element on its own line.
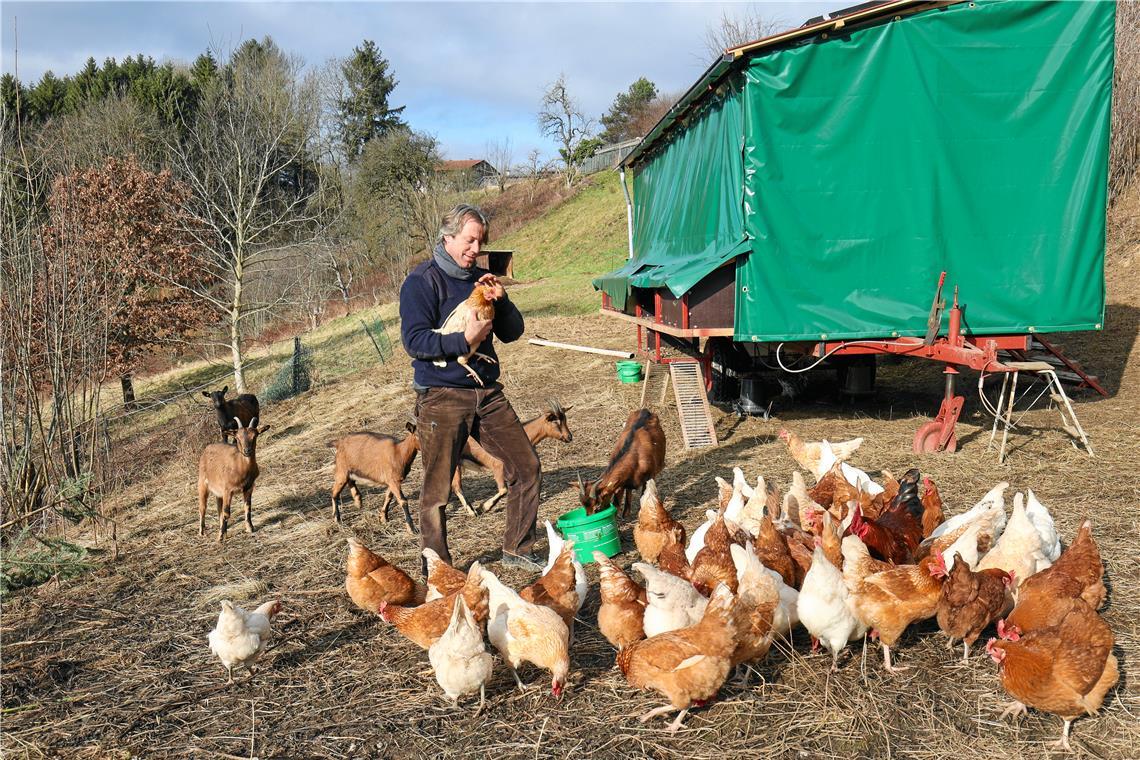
<point>518,680</point>
<point>965,651</point>
<point>485,358</point>
<point>1063,742</point>
<point>1013,708</point>
<point>463,363</point>
<point>655,712</point>
<point>677,721</point>
<point>887,661</point>
<point>482,697</point>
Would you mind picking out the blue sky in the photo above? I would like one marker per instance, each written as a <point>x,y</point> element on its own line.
<point>468,72</point>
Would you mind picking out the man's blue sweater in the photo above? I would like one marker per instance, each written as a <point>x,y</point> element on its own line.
<point>427,298</point>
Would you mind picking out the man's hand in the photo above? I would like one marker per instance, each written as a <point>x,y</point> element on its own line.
<point>494,289</point>
<point>477,331</point>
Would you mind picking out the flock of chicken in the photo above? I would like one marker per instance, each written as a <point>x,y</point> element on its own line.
<point>844,557</point>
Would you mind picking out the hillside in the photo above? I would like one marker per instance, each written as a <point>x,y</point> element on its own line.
<point>115,664</point>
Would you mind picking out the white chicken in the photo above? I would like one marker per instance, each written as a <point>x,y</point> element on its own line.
<point>697,541</point>
<point>461,662</point>
<point>754,510</point>
<point>240,637</point>
<point>991,507</point>
<point>1019,551</point>
<point>824,607</point>
<point>1043,521</point>
<point>672,603</point>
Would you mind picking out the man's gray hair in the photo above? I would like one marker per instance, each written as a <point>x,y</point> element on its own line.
<point>454,220</point>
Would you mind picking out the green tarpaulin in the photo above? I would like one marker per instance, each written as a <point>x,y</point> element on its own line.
<point>971,138</point>
<point>688,204</point>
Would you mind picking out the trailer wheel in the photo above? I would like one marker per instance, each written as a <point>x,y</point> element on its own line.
<point>926,439</point>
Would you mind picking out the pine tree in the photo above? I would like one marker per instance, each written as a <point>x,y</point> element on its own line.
<point>363,112</point>
<point>627,109</point>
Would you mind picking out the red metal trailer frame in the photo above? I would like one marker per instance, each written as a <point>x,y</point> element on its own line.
<point>955,350</point>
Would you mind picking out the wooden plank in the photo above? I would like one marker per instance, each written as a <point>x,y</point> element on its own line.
<point>697,429</point>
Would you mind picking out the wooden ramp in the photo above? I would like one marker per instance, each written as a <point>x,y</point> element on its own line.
<point>692,404</point>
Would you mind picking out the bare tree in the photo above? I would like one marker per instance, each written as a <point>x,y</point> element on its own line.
<point>533,170</point>
<point>500,155</point>
<point>743,25</point>
<point>248,160</point>
<point>561,118</point>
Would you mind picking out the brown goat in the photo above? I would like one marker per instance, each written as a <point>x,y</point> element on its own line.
<point>638,456</point>
<point>225,469</point>
<point>378,460</point>
<point>552,424</point>
<point>235,412</point>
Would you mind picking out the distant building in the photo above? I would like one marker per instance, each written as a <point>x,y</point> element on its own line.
<point>467,174</point>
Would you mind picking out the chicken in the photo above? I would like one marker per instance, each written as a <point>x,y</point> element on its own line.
<point>810,456</point>
<point>773,552</point>
<point>557,589</point>
<point>757,600</point>
<point>825,609</point>
<point>893,537</point>
<point>554,545</point>
<point>671,602</point>
<point>621,617</point>
<point>723,493</point>
<point>713,563</point>
<point>800,545</point>
<point>891,486</point>
<point>672,558</point>
<point>525,632</point>
<point>697,541</point>
<point>688,666</point>
<point>829,532</point>
<point>1019,550</point>
<point>442,578</point>
<point>1044,599</point>
<point>762,503</point>
<point>970,601</point>
<point>989,510</point>
<point>239,637</point>
<point>477,307</point>
<point>1043,522</point>
<point>370,580</point>
<point>889,600</point>
<point>423,625</point>
<point>741,493</point>
<point>1065,670</point>
<point>654,525</point>
<point>932,515</point>
<point>796,501</point>
<point>461,662</point>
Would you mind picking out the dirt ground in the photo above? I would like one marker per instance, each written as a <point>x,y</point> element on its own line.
<point>116,664</point>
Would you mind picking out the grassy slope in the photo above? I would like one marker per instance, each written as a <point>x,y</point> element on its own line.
<point>568,246</point>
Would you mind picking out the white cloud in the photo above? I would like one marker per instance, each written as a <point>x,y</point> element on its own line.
<point>468,72</point>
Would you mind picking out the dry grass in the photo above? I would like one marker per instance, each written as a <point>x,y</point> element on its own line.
<point>116,664</point>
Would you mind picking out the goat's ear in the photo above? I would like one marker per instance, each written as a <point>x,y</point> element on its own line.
<point>206,394</point>
<point>410,427</point>
<point>263,430</point>
<point>224,389</point>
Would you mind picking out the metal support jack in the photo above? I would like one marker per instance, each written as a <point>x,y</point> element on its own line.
<point>1069,421</point>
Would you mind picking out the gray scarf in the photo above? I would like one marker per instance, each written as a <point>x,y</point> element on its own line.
<point>444,261</point>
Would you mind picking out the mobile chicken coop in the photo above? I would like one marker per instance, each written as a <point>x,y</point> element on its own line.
<point>804,201</point>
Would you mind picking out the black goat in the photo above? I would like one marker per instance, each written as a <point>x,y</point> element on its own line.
<point>243,407</point>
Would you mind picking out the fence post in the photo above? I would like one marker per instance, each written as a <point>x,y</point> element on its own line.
<point>296,365</point>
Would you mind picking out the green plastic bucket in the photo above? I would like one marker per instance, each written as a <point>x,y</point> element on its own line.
<point>590,533</point>
<point>629,371</point>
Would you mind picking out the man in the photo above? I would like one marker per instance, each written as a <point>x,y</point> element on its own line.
<point>450,404</point>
